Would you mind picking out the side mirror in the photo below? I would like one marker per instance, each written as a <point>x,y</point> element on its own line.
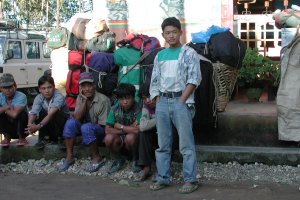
<point>9,54</point>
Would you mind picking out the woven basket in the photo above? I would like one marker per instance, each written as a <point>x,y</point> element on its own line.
<point>224,78</point>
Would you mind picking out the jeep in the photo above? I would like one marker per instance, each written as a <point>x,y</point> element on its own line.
<point>25,55</point>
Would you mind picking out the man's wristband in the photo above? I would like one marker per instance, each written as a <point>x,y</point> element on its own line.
<point>122,128</point>
<point>41,125</point>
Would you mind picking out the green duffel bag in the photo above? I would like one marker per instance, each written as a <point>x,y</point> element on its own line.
<point>58,37</point>
<point>102,43</point>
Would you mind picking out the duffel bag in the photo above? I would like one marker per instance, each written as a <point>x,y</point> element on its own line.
<point>58,37</point>
<point>101,61</point>
<point>105,42</point>
<point>94,28</point>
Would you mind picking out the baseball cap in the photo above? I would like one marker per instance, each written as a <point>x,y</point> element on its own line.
<point>86,77</point>
<point>7,80</point>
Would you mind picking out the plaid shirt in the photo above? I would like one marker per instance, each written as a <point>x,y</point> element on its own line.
<point>188,70</point>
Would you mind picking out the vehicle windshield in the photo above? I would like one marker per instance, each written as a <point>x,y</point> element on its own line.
<point>2,42</point>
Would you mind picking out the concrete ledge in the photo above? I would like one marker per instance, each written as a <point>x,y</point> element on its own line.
<point>221,154</point>
<point>265,155</point>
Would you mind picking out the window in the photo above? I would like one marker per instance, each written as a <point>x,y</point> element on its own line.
<point>46,50</point>
<point>16,47</point>
<point>33,50</point>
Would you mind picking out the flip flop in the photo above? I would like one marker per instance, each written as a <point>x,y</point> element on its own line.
<point>186,189</point>
<point>141,176</point>
<point>21,142</point>
<point>157,186</point>
<point>65,166</point>
<point>93,167</point>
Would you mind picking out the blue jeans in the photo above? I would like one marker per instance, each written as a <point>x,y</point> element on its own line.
<point>89,131</point>
<point>168,111</point>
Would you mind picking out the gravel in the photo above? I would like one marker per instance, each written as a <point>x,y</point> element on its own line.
<point>230,172</point>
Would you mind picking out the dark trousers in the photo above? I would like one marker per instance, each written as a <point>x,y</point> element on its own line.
<point>147,141</point>
<point>54,129</point>
<point>14,128</point>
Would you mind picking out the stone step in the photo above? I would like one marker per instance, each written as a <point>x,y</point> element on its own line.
<point>246,124</point>
<point>205,153</point>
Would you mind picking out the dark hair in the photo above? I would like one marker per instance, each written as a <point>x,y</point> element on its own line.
<point>45,79</point>
<point>171,21</point>
<point>144,90</point>
<point>125,90</point>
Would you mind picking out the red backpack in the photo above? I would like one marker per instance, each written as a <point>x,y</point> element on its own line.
<point>77,61</point>
<point>140,42</point>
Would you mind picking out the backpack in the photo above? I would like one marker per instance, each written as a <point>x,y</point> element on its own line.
<point>72,87</point>
<point>226,48</point>
<point>106,83</point>
<point>140,42</point>
<point>147,66</point>
<point>101,66</point>
<point>76,44</point>
<point>58,37</point>
<point>76,59</point>
<point>105,42</point>
<point>201,48</point>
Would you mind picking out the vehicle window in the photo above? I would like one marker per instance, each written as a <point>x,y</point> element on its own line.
<point>32,50</point>
<point>2,40</point>
<point>16,47</point>
<point>46,50</point>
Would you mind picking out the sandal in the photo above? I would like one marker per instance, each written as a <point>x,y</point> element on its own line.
<point>142,176</point>
<point>65,166</point>
<point>93,167</point>
<point>188,188</point>
<point>21,142</point>
<point>157,186</point>
<point>5,143</point>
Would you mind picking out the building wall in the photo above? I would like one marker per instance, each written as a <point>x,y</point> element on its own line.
<point>144,16</point>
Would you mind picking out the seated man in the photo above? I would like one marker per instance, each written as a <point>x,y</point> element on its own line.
<point>13,112</point>
<point>148,135</point>
<point>88,120</point>
<point>122,126</point>
<point>48,114</point>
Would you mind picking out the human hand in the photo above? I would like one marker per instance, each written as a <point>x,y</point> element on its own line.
<point>82,95</point>
<point>31,129</point>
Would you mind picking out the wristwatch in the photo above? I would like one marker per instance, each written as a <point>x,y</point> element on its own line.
<point>41,125</point>
<point>122,127</point>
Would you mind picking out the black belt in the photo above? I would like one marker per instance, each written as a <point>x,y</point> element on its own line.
<point>170,94</point>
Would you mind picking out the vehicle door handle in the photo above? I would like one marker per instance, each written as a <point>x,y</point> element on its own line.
<point>23,69</point>
<point>39,68</point>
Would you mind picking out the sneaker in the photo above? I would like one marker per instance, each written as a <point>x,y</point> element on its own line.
<point>40,145</point>
<point>116,166</point>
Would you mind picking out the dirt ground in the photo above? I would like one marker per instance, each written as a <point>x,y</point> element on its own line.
<point>73,187</point>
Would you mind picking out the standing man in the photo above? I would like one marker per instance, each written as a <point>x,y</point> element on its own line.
<point>13,111</point>
<point>175,76</point>
<point>48,114</point>
<point>88,120</point>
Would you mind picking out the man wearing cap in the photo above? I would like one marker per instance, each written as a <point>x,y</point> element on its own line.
<point>88,120</point>
<point>13,112</point>
<point>48,114</point>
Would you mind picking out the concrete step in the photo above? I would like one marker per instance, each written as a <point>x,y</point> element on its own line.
<point>246,124</point>
<point>205,153</point>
